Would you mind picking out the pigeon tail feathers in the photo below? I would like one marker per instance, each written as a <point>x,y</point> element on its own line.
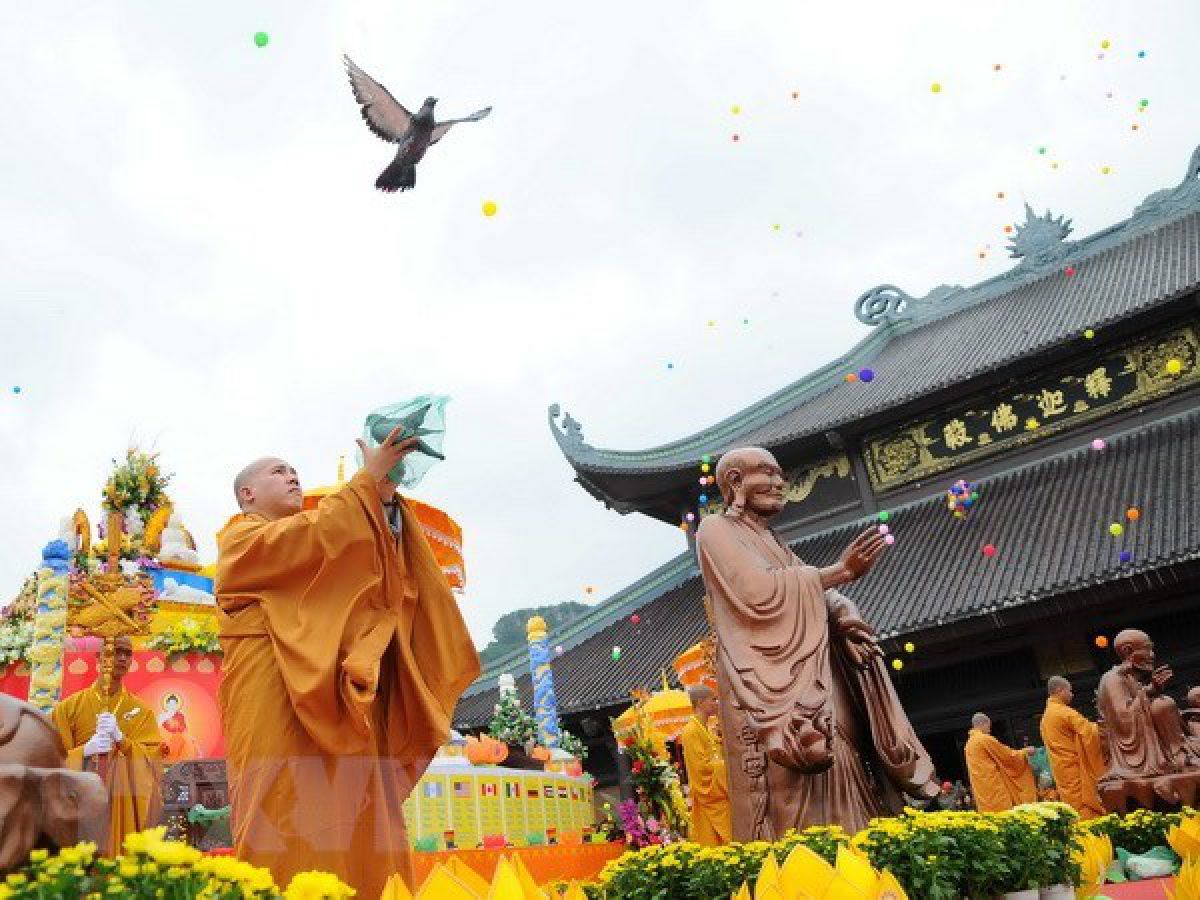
<point>397,177</point>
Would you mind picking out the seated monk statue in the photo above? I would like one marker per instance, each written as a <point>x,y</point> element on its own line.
<point>1191,715</point>
<point>1143,729</point>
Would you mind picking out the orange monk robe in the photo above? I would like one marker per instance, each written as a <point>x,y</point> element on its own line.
<point>1076,759</point>
<point>1000,776</point>
<point>132,772</point>
<point>708,785</point>
<point>345,654</point>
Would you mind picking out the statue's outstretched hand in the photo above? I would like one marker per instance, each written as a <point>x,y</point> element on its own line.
<point>858,558</point>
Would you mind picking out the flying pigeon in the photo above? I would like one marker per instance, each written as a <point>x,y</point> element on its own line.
<point>396,125</point>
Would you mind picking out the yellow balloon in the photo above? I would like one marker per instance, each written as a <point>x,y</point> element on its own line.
<point>897,664</point>
<point>1174,367</point>
<point>936,88</point>
<point>489,208</point>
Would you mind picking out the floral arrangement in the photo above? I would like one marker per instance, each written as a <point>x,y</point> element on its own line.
<point>136,483</point>
<point>185,635</point>
<point>659,813</point>
<point>1139,831</point>
<point>16,637</point>
<point>954,854</point>
<point>152,867</point>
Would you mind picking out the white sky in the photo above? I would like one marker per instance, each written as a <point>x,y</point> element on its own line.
<point>193,257</point>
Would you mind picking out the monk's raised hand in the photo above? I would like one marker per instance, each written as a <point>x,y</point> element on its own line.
<point>862,552</point>
<point>379,461</point>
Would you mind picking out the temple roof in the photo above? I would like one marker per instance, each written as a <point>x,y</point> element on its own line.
<point>952,335</point>
<point>1048,520</point>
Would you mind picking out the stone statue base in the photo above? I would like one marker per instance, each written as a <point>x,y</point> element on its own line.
<point>1164,793</point>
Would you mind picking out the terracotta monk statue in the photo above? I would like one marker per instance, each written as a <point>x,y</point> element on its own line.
<point>1191,715</point>
<point>814,731</point>
<point>42,803</point>
<point>1143,729</point>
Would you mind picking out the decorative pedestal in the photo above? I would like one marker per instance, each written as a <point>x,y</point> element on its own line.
<point>1165,793</point>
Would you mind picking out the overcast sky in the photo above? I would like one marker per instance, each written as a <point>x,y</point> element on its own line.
<point>193,256</point>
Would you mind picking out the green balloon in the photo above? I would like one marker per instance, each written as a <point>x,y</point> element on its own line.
<point>884,516</point>
<point>261,39</point>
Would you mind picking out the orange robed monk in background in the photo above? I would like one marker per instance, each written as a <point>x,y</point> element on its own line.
<point>345,654</point>
<point>1073,744</point>
<point>1000,776</point>
<point>114,734</point>
<point>708,784</point>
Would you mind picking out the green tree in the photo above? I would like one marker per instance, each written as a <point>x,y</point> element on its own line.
<point>508,634</point>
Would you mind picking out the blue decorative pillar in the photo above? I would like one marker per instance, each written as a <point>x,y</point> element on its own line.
<point>545,704</point>
<point>49,627</point>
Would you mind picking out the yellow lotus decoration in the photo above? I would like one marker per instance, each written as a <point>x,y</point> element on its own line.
<point>1184,838</point>
<point>1094,857</point>
<point>455,880</point>
<point>1187,882</point>
<point>806,876</point>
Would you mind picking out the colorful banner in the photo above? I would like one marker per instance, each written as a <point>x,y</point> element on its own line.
<point>181,692</point>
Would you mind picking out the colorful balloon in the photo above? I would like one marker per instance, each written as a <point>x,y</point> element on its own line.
<point>261,39</point>
<point>1116,529</point>
<point>489,208</point>
<point>909,647</point>
<point>1098,444</point>
<point>989,550</point>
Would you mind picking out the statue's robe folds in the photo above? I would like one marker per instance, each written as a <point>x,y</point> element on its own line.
<point>132,771</point>
<point>1001,777</point>
<point>1076,759</point>
<point>814,732</point>
<point>708,785</point>
<point>1143,733</point>
<point>345,654</point>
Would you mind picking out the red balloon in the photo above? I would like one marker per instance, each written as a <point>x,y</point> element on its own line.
<point>635,619</point>
<point>989,550</point>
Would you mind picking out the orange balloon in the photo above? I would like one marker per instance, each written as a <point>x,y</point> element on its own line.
<point>852,377</point>
<point>1133,514</point>
<point>1101,641</point>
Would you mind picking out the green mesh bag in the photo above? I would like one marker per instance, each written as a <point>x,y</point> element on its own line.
<point>422,417</point>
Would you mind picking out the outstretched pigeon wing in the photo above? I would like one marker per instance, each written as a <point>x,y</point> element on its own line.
<point>382,112</point>
<point>440,129</point>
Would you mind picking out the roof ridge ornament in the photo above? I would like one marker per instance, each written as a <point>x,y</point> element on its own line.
<point>884,303</point>
<point>571,433</point>
<point>1041,242</point>
<point>1170,203</point>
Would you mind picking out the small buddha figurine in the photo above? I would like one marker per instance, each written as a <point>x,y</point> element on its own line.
<point>177,549</point>
<point>1143,728</point>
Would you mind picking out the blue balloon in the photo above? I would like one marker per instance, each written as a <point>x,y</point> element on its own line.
<point>704,498</point>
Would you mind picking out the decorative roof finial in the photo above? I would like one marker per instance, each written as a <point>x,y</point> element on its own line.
<point>1041,240</point>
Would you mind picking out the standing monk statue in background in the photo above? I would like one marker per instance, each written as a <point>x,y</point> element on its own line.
<point>345,654</point>
<point>814,732</point>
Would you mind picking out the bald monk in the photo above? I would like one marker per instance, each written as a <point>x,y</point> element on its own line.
<point>814,732</point>
<point>1000,776</point>
<point>345,654</point>
<point>704,761</point>
<point>115,735</point>
<point>1073,744</point>
<point>1143,729</point>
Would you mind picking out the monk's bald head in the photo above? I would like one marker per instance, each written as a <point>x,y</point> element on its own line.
<point>753,474</point>
<point>268,487</point>
<point>704,700</point>
<point>981,721</point>
<point>1057,686</point>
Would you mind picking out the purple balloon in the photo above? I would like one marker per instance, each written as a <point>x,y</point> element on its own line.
<point>866,375</point>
